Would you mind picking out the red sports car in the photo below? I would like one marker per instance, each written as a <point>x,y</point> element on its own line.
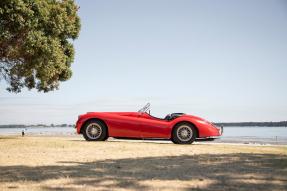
<point>180,128</point>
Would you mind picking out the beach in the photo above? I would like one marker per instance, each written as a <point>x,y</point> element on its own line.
<point>71,163</point>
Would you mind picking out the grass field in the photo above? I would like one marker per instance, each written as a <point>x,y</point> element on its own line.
<point>70,163</point>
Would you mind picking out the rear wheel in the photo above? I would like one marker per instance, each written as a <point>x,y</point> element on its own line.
<point>95,130</point>
<point>184,133</point>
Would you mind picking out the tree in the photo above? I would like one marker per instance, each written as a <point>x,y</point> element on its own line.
<point>36,49</point>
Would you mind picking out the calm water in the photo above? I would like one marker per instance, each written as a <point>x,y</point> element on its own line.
<point>272,135</point>
<point>39,131</point>
<point>276,135</point>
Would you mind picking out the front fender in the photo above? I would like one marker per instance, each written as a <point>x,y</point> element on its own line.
<point>205,128</point>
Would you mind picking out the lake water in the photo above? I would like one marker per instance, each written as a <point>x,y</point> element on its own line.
<point>270,135</point>
<point>39,131</point>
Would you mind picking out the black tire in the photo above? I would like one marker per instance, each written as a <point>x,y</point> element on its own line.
<point>95,130</point>
<point>184,133</point>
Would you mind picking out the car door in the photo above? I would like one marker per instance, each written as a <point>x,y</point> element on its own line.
<point>124,124</point>
<point>152,127</point>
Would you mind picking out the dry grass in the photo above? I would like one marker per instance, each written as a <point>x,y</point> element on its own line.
<point>70,163</point>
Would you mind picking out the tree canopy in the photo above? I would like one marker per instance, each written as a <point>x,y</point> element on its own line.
<point>36,49</point>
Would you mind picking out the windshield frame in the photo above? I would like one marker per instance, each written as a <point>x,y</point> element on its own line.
<point>145,108</point>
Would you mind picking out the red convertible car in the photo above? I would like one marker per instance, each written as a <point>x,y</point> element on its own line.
<point>180,128</point>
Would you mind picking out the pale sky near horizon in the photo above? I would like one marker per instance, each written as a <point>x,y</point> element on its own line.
<point>223,60</point>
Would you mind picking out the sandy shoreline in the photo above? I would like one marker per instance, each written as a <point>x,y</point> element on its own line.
<point>240,135</point>
<point>233,140</point>
<point>70,163</point>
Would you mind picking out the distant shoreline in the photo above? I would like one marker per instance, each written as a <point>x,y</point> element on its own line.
<point>224,124</point>
<point>253,124</point>
<point>36,126</point>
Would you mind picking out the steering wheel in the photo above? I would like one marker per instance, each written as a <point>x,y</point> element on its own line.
<point>168,116</point>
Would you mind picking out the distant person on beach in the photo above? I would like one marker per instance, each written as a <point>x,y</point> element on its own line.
<point>23,133</point>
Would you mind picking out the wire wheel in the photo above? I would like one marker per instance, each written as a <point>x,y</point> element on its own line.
<point>184,133</point>
<point>94,131</point>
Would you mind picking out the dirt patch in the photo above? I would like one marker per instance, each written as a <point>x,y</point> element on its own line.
<point>63,163</point>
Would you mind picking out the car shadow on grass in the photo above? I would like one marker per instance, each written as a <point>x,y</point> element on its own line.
<point>9,137</point>
<point>240,171</point>
<point>136,141</point>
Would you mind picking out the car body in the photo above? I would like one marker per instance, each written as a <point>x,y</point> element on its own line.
<point>142,125</point>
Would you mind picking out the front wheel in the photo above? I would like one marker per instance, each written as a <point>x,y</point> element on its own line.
<point>184,133</point>
<point>95,130</point>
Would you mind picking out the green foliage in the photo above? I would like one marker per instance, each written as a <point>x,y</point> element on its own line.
<point>35,42</point>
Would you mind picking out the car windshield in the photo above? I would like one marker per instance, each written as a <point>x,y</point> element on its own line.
<point>145,108</point>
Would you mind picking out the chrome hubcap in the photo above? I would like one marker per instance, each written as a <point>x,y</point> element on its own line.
<point>94,131</point>
<point>184,133</point>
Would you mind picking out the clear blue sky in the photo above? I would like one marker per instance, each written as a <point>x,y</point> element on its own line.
<point>224,60</point>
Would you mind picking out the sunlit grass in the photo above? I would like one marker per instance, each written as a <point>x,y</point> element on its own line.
<point>59,163</point>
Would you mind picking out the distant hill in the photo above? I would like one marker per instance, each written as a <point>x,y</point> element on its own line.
<point>38,125</point>
<point>225,124</point>
<point>253,124</point>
